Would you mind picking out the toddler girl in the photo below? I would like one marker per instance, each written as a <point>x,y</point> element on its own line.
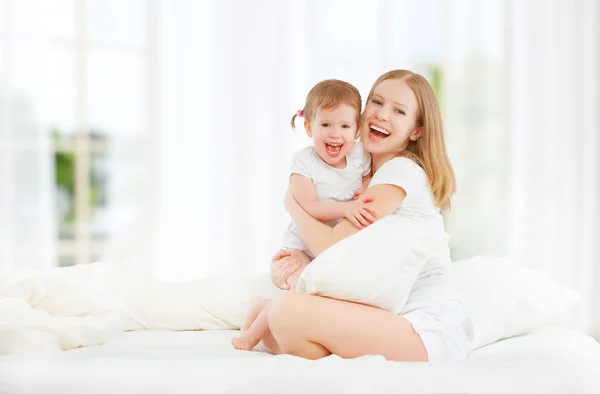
<point>327,179</point>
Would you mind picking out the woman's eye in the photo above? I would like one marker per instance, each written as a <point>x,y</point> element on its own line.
<point>398,110</point>
<point>375,101</point>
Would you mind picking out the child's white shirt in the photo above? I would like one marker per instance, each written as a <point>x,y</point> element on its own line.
<point>332,184</point>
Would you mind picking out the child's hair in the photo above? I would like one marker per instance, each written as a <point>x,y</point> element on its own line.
<point>330,94</point>
<point>429,150</point>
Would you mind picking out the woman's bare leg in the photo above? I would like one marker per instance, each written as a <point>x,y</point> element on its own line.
<point>314,327</point>
<point>268,340</point>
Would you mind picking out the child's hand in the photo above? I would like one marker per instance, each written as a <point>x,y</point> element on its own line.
<point>358,192</point>
<point>359,212</point>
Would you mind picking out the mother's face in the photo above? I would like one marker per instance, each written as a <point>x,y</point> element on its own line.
<point>389,118</point>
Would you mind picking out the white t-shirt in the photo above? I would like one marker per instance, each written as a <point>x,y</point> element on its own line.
<point>332,184</point>
<point>436,282</point>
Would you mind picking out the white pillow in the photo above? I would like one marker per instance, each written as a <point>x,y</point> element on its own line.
<point>504,299</point>
<point>377,266</point>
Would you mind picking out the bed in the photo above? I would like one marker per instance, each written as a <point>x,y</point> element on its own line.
<point>544,360</point>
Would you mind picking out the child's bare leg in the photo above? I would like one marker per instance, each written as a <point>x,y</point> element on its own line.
<point>257,330</point>
<point>256,305</point>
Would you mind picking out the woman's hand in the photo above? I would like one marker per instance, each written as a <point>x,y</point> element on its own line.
<point>285,264</point>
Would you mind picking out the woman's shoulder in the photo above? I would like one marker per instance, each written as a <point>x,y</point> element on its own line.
<point>403,163</point>
<point>401,168</point>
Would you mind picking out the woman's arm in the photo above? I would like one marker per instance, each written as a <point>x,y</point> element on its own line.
<point>319,237</point>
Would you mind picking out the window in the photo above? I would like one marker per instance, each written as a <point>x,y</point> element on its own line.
<point>81,69</point>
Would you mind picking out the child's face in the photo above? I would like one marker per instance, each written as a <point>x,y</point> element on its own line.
<point>333,132</point>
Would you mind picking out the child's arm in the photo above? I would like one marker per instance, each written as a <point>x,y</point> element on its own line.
<point>306,195</point>
<point>366,180</point>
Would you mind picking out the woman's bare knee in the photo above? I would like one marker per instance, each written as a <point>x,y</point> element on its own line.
<point>285,318</point>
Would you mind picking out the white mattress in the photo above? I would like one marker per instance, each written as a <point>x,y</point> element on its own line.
<point>548,360</point>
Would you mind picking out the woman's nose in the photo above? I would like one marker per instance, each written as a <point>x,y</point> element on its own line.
<point>383,114</point>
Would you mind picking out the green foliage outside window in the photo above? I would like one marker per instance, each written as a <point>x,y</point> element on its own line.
<point>65,177</point>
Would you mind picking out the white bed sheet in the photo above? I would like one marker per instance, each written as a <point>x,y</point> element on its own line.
<point>549,360</point>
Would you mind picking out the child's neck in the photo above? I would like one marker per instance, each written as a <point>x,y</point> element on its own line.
<point>341,164</point>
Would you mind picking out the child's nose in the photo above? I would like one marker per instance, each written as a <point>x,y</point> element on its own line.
<point>336,131</point>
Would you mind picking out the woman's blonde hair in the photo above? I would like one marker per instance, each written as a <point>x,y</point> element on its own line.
<point>429,150</point>
<point>330,94</point>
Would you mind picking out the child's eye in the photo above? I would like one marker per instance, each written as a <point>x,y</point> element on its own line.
<point>345,126</point>
<point>398,110</point>
<point>377,102</point>
<point>325,124</point>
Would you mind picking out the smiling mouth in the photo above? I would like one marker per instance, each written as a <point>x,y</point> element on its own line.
<point>333,149</point>
<point>378,133</point>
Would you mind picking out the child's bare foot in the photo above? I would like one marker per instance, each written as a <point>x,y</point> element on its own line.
<point>244,343</point>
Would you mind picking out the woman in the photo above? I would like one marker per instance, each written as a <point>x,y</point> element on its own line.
<point>412,177</point>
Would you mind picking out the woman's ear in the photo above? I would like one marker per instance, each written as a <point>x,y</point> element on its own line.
<point>416,134</point>
<point>308,128</point>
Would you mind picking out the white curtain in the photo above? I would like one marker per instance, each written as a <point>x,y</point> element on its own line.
<point>27,217</point>
<point>521,103</point>
<point>231,76</point>
<point>201,191</point>
<point>518,91</point>
<point>553,98</point>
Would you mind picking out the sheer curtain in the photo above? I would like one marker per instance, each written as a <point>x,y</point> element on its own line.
<point>521,95</point>
<point>516,83</point>
<point>553,98</point>
<point>200,191</point>
<point>231,76</point>
<point>27,218</point>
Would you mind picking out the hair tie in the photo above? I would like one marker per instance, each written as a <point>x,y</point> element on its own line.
<point>300,113</point>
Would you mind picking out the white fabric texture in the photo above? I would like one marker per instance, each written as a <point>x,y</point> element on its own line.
<point>436,281</point>
<point>525,157</point>
<point>523,138</point>
<point>550,361</point>
<point>503,298</point>
<point>331,184</point>
<point>408,175</point>
<point>376,266</point>
<point>27,198</point>
<point>65,308</point>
